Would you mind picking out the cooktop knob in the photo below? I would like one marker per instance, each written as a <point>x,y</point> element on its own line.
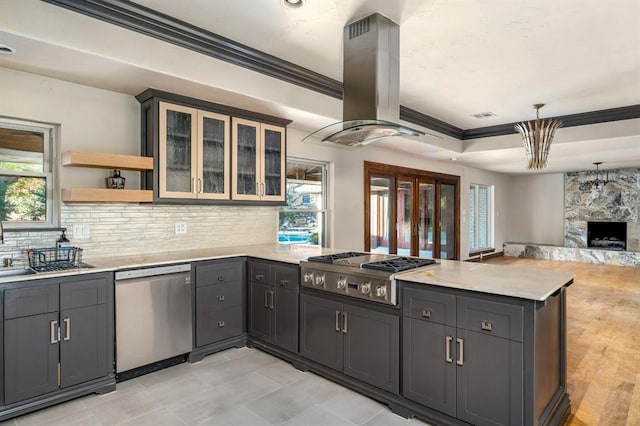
<point>341,283</point>
<point>308,277</point>
<point>365,288</point>
<point>319,280</point>
<point>381,291</point>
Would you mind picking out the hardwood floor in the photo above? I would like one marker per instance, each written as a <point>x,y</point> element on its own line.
<point>603,332</point>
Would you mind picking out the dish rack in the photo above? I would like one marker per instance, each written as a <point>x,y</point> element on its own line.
<point>54,258</point>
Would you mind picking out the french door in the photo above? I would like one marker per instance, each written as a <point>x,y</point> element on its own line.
<point>411,212</point>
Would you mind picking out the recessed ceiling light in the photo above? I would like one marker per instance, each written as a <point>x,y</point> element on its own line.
<point>6,50</point>
<point>293,4</point>
<point>487,114</point>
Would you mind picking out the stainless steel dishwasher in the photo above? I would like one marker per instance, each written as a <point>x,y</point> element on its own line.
<point>153,315</point>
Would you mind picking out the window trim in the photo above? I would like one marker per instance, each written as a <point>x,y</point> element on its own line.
<point>49,173</point>
<point>475,187</point>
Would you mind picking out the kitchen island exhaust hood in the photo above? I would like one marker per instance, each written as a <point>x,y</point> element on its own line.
<point>371,85</point>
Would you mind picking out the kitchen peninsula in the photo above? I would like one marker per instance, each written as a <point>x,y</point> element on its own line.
<point>468,342</point>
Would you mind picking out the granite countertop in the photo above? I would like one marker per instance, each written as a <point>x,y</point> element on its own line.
<point>532,284</point>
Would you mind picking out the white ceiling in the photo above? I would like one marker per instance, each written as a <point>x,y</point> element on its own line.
<point>457,58</point>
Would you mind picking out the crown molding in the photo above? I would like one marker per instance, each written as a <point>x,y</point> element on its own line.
<point>147,21</point>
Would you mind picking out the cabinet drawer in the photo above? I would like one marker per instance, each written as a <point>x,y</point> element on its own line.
<point>495,318</point>
<point>218,273</point>
<point>286,277</point>
<point>259,272</point>
<point>22,302</point>
<point>429,305</point>
<point>213,326</point>
<point>219,296</point>
<point>83,293</point>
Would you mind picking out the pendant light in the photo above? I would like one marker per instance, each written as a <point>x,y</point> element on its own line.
<point>537,137</point>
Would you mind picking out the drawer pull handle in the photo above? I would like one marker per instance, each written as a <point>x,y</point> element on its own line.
<point>486,325</point>
<point>284,283</point>
<point>259,277</point>
<point>221,298</point>
<point>426,313</point>
<point>220,323</point>
<point>220,277</point>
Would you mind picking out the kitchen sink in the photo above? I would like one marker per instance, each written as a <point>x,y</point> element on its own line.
<point>15,272</point>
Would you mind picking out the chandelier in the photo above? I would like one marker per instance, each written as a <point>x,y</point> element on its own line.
<point>598,182</point>
<point>537,137</point>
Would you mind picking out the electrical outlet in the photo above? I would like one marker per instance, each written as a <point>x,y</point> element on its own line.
<point>81,231</point>
<point>181,227</point>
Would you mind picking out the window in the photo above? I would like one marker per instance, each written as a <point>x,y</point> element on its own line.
<point>26,174</point>
<point>480,217</point>
<point>303,220</point>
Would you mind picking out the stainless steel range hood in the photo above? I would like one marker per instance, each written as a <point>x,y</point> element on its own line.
<point>371,85</point>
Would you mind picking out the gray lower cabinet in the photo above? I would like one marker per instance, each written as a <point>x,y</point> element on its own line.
<point>362,343</point>
<point>273,303</point>
<point>56,335</point>
<point>219,301</point>
<point>463,356</point>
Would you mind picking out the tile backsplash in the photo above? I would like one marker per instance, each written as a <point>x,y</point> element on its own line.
<point>133,229</point>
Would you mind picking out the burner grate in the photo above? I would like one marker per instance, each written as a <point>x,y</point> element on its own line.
<point>329,258</point>
<point>398,264</point>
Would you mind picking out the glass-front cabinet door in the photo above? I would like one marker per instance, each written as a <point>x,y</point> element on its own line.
<point>258,153</point>
<point>178,146</point>
<point>194,153</point>
<point>213,156</point>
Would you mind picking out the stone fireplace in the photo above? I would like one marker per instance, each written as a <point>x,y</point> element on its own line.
<point>616,202</point>
<point>607,235</point>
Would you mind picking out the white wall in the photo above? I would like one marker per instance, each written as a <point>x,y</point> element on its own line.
<point>536,209</point>
<point>95,119</point>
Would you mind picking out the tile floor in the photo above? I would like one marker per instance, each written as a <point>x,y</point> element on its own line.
<point>234,387</point>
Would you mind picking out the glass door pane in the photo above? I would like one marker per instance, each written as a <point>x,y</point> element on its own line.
<point>447,221</point>
<point>404,196</point>
<point>379,214</point>
<point>426,197</point>
<point>178,155</point>
<point>246,156</point>
<point>273,160</point>
<point>214,161</point>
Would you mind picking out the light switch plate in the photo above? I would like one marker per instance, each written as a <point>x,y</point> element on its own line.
<point>180,227</point>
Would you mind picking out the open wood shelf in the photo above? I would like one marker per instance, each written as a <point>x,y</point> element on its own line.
<point>92,195</point>
<point>106,161</point>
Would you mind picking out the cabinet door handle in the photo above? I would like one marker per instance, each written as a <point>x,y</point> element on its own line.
<point>338,321</point>
<point>67,334</point>
<point>345,330</point>
<point>273,298</point>
<point>460,360</point>
<point>486,325</point>
<point>220,323</point>
<point>221,298</point>
<point>426,313</point>
<point>54,332</point>
<point>284,283</point>
<point>449,339</point>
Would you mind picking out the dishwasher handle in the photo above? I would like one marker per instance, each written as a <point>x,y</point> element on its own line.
<point>153,271</point>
